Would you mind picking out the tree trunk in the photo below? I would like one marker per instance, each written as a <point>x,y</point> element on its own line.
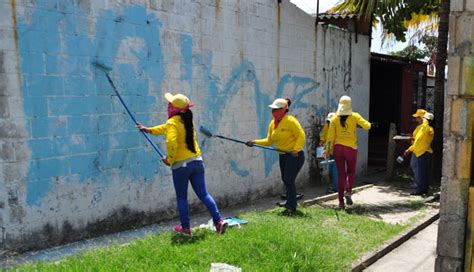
<point>441,57</point>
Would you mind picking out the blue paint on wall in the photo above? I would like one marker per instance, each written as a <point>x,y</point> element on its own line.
<point>98,140</point>
<point>218,97</point>
<point>66,97</point>
<point>187,59</point>
<point>235,168</point>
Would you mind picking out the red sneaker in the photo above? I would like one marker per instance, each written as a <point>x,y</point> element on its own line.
<point>221,226</point>
<point>181,230</point>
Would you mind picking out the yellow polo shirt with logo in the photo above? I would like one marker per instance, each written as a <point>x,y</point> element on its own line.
<point>288,136</point>
<point>176,147</point>
<point>346,136</point>
<point>423,138</point>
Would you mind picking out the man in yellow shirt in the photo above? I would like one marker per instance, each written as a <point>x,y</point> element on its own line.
<point>422,152</point>
<point>285,133</point>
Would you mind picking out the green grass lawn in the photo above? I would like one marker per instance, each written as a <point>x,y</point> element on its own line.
<point>318,240</point>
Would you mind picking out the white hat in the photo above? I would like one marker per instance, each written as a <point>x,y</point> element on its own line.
<point>330,116</point>
<point>279,103</point>
<point>345,106</point>
<point>428,116</point>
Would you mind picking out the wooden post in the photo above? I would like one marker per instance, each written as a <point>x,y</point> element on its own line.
<point>468,262</point>
<point>391,152</point>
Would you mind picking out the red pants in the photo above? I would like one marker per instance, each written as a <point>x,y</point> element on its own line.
<point>344,155</point>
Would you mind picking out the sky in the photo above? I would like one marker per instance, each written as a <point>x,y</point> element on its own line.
<point>309,6</point>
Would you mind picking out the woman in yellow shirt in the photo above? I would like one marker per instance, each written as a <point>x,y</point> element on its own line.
<point>421,157</point>
<point>285,133</point>
<point>342,143</point>
<point>184,157</point>
<point>419,120</point>
<point>324,132</point>
<point>331,165</point>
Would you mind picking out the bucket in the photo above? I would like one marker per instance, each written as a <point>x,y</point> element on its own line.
<point>320,152</point>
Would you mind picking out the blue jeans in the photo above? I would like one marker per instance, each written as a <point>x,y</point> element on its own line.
<point>193,172</point>
<point>290,167</point>
<point>420,166</point>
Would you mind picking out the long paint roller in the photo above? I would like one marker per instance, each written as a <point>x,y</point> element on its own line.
<point>208,133</point>
<point>106,70</point>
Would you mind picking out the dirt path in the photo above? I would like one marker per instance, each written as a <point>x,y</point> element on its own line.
<point>390,203</point>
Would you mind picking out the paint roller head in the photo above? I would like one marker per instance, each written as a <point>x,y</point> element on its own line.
<point>102,65</point>
<point>205,131</point>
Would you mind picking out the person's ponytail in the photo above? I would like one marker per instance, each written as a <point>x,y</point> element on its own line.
<point>187,118</point>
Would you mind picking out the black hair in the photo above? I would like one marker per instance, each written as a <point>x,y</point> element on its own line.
<point>430,122</point>
<point>187,118</point>
<point>342,119</point>
<point>289,103</point>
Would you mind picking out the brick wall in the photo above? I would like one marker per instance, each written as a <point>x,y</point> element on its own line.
<point>72,165</point>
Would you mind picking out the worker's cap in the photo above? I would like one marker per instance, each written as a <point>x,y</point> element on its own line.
<point>279,103</point>
<point>179,101</point>
<point>419,113</point>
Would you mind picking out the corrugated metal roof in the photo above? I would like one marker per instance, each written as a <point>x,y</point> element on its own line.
<point>337,16</point>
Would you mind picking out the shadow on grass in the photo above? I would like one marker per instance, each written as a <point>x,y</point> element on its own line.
<point>385,208</point>
<point>376,210</point>
<point>181,239</point>
<point>296,213</point>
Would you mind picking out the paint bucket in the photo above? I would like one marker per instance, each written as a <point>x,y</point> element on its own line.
<point>320,152</point>
<point>400,159</point>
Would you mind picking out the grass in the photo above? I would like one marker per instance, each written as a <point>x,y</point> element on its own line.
<point>316,240</point>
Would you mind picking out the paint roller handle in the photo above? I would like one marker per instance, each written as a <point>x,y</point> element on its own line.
<point>252,144</point>
<point>230,139</point>
<point>145,130</point>
<point>120,98</point>
<point>153,144</point>
<point>133,118</point>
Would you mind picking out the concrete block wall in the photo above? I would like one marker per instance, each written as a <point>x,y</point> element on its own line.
<point>72,165</point>
<point>458,133</point>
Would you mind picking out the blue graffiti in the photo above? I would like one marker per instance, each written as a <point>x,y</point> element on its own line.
<point>187,60</point>
<point>218,97</point>
<point>235,168</point>
<point>95,138</point>
<point>79,130</point>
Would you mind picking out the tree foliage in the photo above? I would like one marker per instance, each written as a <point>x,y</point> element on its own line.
<point>396,16</point>
<point>414,52</point>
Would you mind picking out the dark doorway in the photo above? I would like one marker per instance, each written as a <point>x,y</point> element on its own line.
<point>385,101</point>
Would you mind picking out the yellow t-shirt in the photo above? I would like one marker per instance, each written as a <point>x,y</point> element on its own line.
<point>347,136</point>
<point>423,138</point>
<point>324,133</point>
<point>288,136</point>
<point>176,147</point>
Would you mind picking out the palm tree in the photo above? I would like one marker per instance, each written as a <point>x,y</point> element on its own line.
<point>396,16</point>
